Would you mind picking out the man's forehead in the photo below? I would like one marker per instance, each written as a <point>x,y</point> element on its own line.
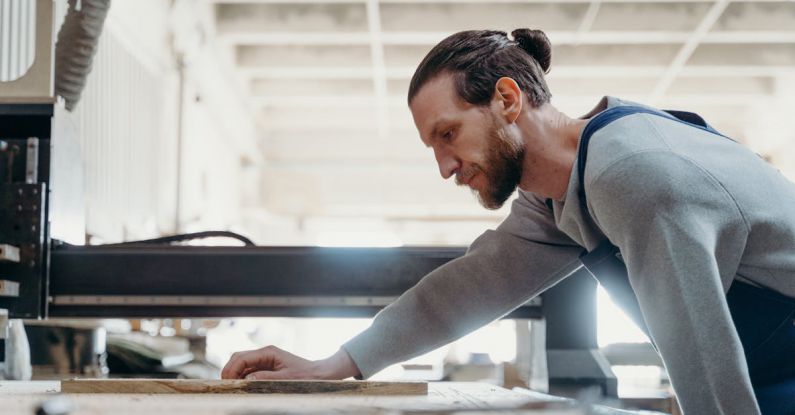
<point>435,103</point>
<point>440,87</point>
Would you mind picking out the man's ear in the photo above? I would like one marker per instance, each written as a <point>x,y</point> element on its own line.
<point>508,97</point>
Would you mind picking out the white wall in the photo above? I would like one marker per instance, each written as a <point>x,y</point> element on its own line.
<point>128,122</point>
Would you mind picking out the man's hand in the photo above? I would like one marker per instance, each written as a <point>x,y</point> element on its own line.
<point>270,362</point>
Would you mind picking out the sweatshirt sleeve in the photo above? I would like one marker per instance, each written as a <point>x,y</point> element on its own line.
<point>502,270</point>
<point>682,236</point>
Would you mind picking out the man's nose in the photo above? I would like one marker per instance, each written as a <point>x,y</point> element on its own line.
<point>448,164</point>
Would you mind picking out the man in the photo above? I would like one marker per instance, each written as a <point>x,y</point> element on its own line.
<point>691,212</point>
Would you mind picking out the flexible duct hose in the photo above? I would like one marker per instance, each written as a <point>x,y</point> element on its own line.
<point>77,43</point>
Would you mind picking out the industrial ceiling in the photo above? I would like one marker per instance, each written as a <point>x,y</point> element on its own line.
<point>327,81</point>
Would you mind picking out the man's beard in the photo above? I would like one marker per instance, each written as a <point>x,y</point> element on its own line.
<point>503,169</point>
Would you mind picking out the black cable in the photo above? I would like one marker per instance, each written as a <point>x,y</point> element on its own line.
<point>187,237</point>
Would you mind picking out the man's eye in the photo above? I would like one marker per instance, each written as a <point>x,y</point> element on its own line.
<point>448,136</point>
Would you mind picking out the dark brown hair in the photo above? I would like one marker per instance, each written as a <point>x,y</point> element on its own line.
<point>478,58</point>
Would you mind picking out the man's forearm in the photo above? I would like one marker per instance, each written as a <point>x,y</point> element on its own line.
<point>498,274</point>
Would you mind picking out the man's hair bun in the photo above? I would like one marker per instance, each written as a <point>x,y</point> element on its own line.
<point>536,44</point>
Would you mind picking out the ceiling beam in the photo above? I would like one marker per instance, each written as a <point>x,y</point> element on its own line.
<point>327,73</point>
<point>400,100</point>
<point>429,38</point>
<point>588,20</point>
<point>379,68</point>
<point>472,1</point>
<point>697,37</point>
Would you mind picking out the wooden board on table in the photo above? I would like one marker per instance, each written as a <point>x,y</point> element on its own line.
<point>20,397</point>
<point>242,386</point>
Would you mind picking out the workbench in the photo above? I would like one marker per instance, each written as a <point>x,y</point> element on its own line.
<point>18,397</point>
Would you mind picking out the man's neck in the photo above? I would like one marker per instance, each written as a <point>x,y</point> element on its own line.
<point>551,141</point>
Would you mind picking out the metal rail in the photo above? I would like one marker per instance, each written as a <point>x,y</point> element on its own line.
<point>190,281</point>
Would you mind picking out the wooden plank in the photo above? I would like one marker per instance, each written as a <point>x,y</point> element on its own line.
<point>19,397</point>
<point>175,386</point>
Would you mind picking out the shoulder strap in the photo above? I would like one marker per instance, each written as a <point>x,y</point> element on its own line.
<point>612,114</point>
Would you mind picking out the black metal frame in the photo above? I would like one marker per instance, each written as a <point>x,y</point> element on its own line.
<point>190,281</point>
<point>573,355</point>
<point>24,204</point>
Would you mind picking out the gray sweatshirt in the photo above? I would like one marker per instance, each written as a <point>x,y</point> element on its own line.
<point>690,212</point>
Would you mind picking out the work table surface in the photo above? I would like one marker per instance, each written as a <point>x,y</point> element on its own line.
<point>18,397</point>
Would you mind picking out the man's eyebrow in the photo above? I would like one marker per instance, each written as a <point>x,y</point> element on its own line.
<point>435,132</point>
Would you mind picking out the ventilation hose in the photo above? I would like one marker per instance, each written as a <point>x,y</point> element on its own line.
<point>76,45</point>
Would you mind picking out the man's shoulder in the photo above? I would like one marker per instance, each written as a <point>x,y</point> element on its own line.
<point>628,137</point>
<point>657,176</point>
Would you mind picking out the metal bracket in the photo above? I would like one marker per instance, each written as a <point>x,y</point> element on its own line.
<point>9,253</point>
<point>32,162</point>
<point>3,323</point>
<point>9,288</point>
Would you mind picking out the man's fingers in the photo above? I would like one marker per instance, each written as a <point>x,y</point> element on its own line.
<point>242,362</point>
<point>246,371</point>
<point>233,367</point>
